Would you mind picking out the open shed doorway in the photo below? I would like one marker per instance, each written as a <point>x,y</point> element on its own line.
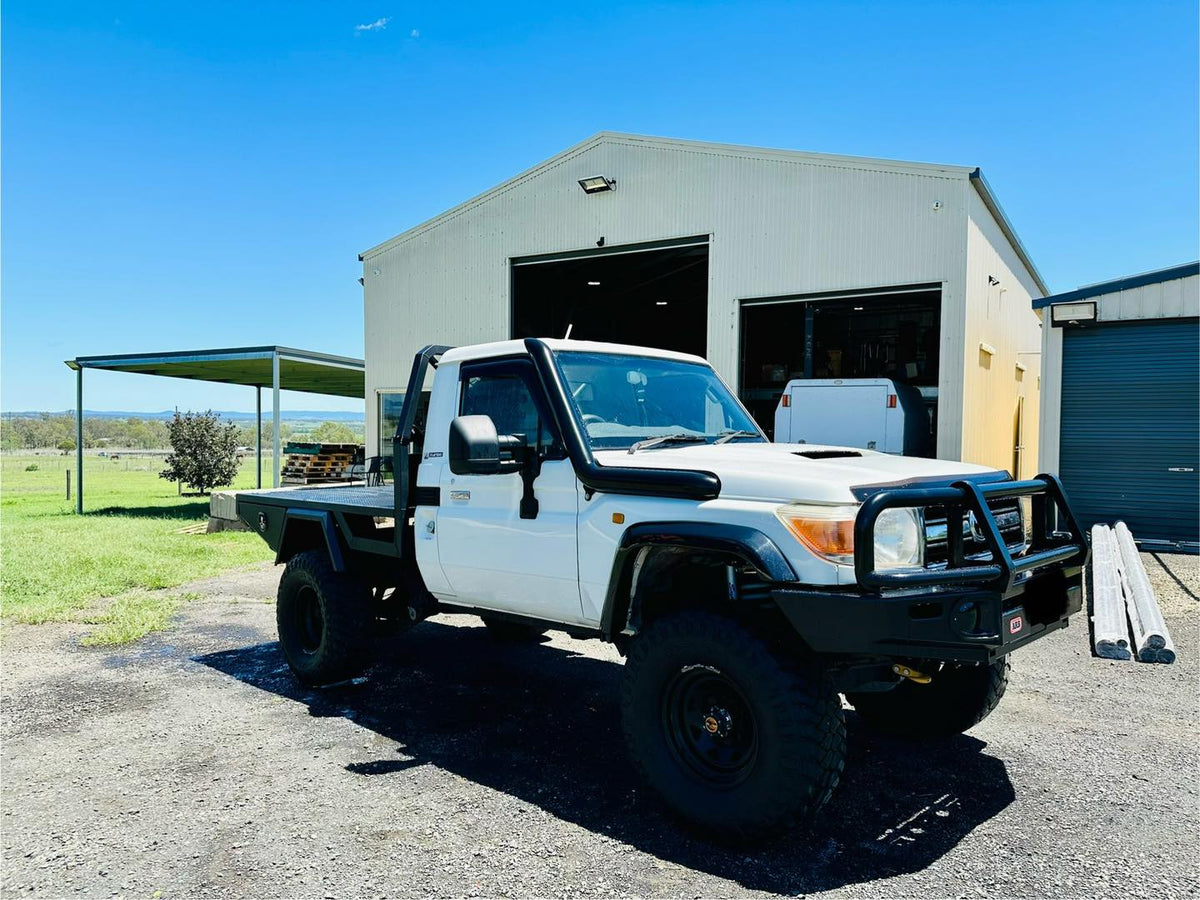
<point>653,296</point>
<point>885,333</point>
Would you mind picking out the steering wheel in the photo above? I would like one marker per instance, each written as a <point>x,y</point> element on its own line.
<point>592,419</point>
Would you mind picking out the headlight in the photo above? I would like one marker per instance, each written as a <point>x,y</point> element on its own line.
<point>828,531</point>
<point>898,539</point>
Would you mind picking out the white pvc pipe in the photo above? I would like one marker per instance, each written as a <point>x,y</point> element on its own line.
<point>1135,617</point>
<point>1110,635</point>
<point>1154,637</point>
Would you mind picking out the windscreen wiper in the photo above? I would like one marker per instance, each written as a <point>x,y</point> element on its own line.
<point>667,439</point>
<point>730,435</point>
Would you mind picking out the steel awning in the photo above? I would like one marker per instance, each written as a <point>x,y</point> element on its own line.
<point>274,367</point>
<point>299,370</point>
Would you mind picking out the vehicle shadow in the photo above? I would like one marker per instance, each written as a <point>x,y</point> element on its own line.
<point>197,510</point>
<point>542,724</point>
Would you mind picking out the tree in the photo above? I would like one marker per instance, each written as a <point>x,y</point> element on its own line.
<point>246,435</point>
<point>66,445</point>
<point>334,433</point>
<point>204,451</point>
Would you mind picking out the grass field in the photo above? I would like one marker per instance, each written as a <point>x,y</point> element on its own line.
<point>129,544</point>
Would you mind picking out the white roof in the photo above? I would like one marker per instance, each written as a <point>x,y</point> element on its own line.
<point>640,140</point>
<point>517,347</point>
<point>971,173</point>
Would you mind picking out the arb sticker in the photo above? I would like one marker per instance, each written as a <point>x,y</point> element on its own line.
<point>1015,624</point>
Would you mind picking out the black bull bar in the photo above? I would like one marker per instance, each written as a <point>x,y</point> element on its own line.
<point>1055,537</point>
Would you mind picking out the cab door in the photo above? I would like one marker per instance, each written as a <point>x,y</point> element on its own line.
<point>492,557</point>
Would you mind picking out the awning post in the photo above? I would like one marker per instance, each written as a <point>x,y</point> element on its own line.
<point>258,433</point>
<point>275,414</point>
<point>79,440</point>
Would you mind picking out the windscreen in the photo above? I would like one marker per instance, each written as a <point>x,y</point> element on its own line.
<point>623,399</point>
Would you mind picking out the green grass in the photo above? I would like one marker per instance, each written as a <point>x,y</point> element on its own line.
<point>55,565</point>
<point>131,616</point>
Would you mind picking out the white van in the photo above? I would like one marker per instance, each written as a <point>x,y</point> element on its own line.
<point>871,413</point>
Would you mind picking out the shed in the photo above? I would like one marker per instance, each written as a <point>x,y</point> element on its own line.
<point>1121,406</point>
<point>774,264</point>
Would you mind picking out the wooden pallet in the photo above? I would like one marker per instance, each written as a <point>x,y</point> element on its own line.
<point>331,471</point>
<point>300,448</point>
<point>314,463</point>
<point>316,479</point>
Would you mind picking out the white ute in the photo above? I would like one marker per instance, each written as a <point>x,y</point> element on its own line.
<point>874,413</point>
<point>625,494</point>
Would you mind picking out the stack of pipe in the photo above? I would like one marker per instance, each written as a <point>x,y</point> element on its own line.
<point>1150,635</point>
<point>1111,637</point>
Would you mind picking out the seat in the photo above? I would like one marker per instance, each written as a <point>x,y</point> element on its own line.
<point>375,470</point>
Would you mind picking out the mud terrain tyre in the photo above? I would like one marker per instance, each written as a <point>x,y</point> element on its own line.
<point>324,620</point>
<point>739,737</point>
<point>512,632</point>
<point>958,697</point>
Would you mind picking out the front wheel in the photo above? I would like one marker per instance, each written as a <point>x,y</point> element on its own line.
<point>736,736</point>
<point>324,620</point>
<point>957,697</point>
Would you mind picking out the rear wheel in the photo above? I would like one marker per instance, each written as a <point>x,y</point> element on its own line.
<point>737,736</point>
<point>958,697</point>
<point>324,620</point>
<point>512,632</point>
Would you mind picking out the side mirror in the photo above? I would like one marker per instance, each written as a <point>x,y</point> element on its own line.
<point>474,446</point>
<point>476,449</point>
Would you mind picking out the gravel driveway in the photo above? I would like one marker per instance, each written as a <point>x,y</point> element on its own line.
<point>192,764</point>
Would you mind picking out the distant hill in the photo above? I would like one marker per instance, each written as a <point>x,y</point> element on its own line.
<point>287,415</point>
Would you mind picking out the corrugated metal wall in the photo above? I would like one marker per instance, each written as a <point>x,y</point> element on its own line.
<point>999,316</point>
<point>779,224</point>
<point>1173,299</point>
<point>1130,426</point>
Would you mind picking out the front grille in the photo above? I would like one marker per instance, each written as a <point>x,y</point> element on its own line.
<point>1009,518</point>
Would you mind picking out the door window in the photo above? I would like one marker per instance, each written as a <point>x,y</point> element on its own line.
<point>505,396</point>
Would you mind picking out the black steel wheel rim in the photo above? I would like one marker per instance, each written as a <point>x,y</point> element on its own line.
<point>310,622</point>
<point>710,725</point>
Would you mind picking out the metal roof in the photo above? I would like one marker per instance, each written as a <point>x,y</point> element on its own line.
<point>1121,284</point>
<point>973,174</point>
<point>993,205</point>
<point>650,142</point>
<point>299,370</point>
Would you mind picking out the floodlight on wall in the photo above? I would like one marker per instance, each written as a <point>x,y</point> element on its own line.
<point>1072,313</point>
<point>597,184</point>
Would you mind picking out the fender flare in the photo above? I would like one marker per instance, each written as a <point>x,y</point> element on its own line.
<point>741,541</point>
<point>324,520</point>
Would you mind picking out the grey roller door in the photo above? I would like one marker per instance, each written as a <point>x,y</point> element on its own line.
<point>1130,439</point>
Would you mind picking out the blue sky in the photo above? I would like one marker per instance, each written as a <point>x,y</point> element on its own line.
<point>193,175</point>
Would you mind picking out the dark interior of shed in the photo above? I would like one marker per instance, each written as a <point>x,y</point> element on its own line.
<point>653,298</point>
<point>893,335</point>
